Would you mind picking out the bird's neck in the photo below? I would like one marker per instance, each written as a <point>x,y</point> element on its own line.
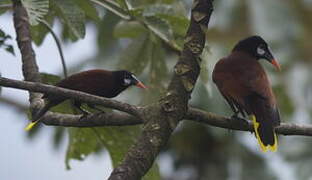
<point>118,82</point>
<point>242,55</point>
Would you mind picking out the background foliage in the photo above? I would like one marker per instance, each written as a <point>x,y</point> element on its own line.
<point>145,37</point>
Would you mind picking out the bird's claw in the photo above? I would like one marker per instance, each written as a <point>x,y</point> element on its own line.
<point>84,115</point>
<point>237,120</point>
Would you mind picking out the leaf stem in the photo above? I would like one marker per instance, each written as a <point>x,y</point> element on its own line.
<point>116,10</point>
<point>59,47</point>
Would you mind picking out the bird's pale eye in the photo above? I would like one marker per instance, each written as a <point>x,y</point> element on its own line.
<point>127,81</point>
<point>260,51</point>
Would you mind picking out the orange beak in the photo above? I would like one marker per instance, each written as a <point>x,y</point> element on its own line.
<point>141,85</point>
<point>276,64</point>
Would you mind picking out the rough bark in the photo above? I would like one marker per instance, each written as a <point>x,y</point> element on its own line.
<point>162,118</point>
<point>23,38</point>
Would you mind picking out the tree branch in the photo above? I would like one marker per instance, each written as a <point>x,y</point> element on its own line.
<point>77,95</point>
<point>93,120</point>
<point>121,119</point>
<point>23,38</point>
<point>234,124</point>
<point>162,118</point>
<point>118,119</point>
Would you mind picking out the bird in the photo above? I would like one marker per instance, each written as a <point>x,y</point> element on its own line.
<point>97,82</point>
<point>243,83</point>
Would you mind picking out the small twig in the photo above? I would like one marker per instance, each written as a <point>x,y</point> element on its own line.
<point>115,11</point>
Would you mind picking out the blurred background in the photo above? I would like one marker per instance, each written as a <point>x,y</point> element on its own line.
<point>148,44</point>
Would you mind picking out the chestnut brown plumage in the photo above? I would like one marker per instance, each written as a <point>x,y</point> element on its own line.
<point>96,82</point>
<point>244,84</point>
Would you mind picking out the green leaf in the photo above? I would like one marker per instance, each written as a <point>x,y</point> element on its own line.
<point>82,142</point>
<point>153,173</point>
<point>158,66</point>
<point>39,32</point>
<point>178,24</point>
<point>141,3</point>
<point>73,17</point>
<point>204,71</point>
<point>160,27</point>
<point>36,10</point>
<point>137,55</point>
<point>158,71</point>
<point>136,12</point>
<point>58,136</point>
<point>154,9</point>
<point>106,40</point>
<point>88,9</point>
<point>65,107</point>
<point>122,4</point>
<point>285,102</point>
<point>129,29</point>
<point>2,34</point>
<point>178,21</point>
<point>116,140</point>
<point>3,42</point>
<point>5,3</point>
<point>113,7</point>
<point>50,79</point>
<point>10,49</point>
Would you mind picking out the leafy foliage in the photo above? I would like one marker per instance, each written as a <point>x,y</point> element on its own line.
<point>36,10</point>
<point>115,140</point>
<point>73,16</point>
<point>3,42</point>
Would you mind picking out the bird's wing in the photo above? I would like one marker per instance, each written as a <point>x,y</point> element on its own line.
<point>239,79</point>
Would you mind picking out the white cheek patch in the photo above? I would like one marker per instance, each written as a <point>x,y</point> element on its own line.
<point>260,51</point>
<point>127,81</point>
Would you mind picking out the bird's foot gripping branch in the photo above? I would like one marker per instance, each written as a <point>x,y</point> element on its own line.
<point>103,83</point>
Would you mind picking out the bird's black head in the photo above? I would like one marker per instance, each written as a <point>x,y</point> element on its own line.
<point>258,48</point>
<point>126,79</point>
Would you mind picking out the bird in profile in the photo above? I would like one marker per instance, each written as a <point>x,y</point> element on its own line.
<point>245,86</point>
<point>97,82</point>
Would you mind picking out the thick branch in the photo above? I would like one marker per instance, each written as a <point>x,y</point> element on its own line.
<point>162,118</point>
<point>23,38</point>
<point>77,95</point>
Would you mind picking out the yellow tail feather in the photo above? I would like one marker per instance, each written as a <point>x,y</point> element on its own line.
<point>30,125</point>
<point>264,148</point>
